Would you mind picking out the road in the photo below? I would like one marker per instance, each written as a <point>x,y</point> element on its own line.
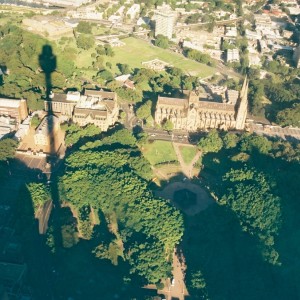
<point>218,23</point>
<point>286,133</point>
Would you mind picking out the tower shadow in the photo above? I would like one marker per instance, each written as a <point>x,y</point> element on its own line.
<point>47,61</point>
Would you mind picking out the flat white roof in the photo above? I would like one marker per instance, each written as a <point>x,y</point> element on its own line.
<point>10,102</point>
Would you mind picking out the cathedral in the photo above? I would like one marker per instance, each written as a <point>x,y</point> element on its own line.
<point>201,111</point>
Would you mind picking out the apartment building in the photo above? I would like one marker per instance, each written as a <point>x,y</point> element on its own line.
<point>164,22</point>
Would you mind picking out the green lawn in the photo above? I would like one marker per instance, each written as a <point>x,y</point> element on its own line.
<point>134,53</point>
<point>159,152</point>
<point>188,153</point>
<point>137,51</point>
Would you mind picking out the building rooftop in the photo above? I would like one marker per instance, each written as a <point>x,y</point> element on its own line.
<point>47,125</point>
<point>92,112</point>
<point>172,101</point>
<point>13,103</point>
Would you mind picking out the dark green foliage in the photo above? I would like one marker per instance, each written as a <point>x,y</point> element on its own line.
<point>106,75</point>
<point>198,56</point>
<point>74,133</point>
<point>110,181</point>
<point>123,137</point>
<point>7,149</point>
<point>251,232</point>
<point>230,140</point>
<point>129,95</point>
<point>161,41</point>
<point>194,18</point>
<point>84,27</point>
<point>69,235</point>
<point>168,125</point>
<point>84,223</point>
<point>39,193</point>
<point>35,121</point>
<point>250,142</point>
<point>85,41</point>
<point>289,116</point>
<point>149,268</point>
<point>108,50</point>
<point>211,143</point>
<point>124,68</point>
<point>249,195</point>
<point>144,111</point>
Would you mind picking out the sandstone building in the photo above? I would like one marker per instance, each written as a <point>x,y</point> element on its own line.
<point>93,107</point>
<point>46,131</point>
<point>200,111</point>
<point>14,108</point>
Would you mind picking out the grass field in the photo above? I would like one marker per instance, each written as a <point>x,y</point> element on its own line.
<point>188,153</point>
<point>159,152</point>
<point>137,51</point>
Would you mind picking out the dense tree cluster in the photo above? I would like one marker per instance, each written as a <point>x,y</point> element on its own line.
<point>162,42</point>
<point>20,52</point>
<point>40,194</point>
<point>247,232</point>
<point>199,56</point>
<point>112,181</point>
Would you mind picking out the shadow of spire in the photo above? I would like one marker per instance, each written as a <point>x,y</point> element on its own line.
<point>47,61</point>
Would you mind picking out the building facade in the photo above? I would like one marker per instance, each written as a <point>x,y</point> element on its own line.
<point>198,112</point>
<point>62,103</point>
<point>164,22</point>
<point>93,107</point>
<point>97,107</point>
<point>45,132</point>
<point>14,108</point>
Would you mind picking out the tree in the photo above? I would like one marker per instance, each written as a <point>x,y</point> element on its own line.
<point>211,143</point>
<point>124,68</point>
<point>250,142</point>
<point>39,193</point>
<point>35,121</point>
<point>108,50</point>
<point>168,125</point>
<point>249,195</point>
<point>100,50</point>
<point>289,116</point>
<point>85,42</point>
<point>74,133</point>
<point>161,41</point>
<point>106,75</point>
<point>84,27</point>
<point>144,111</point>
<point>230,140</point>
<point>7,149</point>
<point>194,18</point>
<point>123,137</point>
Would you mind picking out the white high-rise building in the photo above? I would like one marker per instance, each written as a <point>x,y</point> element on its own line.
<point>164,22</point>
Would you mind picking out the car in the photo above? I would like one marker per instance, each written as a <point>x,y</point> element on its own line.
<point>153,134</point>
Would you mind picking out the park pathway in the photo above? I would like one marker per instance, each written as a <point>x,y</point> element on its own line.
<point>174,288</point>
<point>187,169</point>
